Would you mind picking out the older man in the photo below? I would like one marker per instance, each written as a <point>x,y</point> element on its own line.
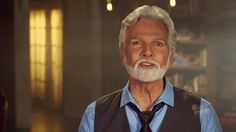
<point>148,102</point>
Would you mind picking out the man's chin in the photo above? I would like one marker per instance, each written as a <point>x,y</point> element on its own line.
<point>147,80</point>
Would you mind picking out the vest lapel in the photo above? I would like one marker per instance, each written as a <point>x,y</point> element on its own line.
<point>110,117</point>
<point>184,116</point>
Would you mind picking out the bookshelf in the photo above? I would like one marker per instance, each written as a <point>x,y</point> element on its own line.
<point>190,67</point>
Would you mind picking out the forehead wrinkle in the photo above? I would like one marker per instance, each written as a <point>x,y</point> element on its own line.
<point>141,28</point>
<point>150,22</point>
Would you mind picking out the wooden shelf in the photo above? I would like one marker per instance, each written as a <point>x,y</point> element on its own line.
<point>197,42</point>
<point>188,68</point>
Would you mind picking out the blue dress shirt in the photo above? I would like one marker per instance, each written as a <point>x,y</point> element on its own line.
<point>208,117</point>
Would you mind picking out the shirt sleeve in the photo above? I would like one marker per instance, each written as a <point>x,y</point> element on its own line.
<point>87,122</point>
<point>208,118</point>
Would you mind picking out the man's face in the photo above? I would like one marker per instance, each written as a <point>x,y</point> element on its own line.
<point>146,51</point>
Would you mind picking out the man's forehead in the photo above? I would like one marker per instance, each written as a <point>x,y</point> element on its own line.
<point>145,23</point>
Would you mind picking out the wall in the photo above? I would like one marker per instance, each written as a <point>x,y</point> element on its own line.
<point>113,73</point>
<point>7,63</point>
<point>81,55</point>
<point>22,74</point>
<point>14,66</point>
<point>92,65</point>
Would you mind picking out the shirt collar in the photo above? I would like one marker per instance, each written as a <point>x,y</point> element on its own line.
<point>167,95</point>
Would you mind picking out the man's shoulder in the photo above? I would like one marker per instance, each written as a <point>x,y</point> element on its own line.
<point>109,98</point>
<point>183,96</point>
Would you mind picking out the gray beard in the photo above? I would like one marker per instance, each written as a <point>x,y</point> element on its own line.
<point>146,75</point>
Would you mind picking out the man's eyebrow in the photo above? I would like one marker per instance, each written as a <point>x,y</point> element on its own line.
<point>160,40</point>
<point>129,38</point>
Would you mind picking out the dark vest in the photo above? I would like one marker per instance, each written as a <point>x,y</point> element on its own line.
<point>183,117</point>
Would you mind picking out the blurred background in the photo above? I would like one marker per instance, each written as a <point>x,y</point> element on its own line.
<point>57,56</point>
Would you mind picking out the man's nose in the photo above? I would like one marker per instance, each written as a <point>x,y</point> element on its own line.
<point>147,51</point>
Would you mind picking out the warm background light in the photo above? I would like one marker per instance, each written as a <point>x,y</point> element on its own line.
<point>172,3</point>
<point>37,52</point>
<point>109,6</point>
<point>56,55</point>
<point>46,55</point>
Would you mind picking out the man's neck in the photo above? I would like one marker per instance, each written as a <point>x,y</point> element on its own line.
<point>146,93</point>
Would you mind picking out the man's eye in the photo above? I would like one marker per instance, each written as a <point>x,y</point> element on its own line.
<point>160,43</point>
<point>135,42</point>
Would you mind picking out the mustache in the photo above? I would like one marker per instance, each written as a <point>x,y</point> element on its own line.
<point>157,64</point>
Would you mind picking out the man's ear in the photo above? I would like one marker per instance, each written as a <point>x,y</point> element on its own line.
<point>171,57</point>
<point>122,54</point>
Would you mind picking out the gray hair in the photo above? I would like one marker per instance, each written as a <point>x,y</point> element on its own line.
<point>150,12</point>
